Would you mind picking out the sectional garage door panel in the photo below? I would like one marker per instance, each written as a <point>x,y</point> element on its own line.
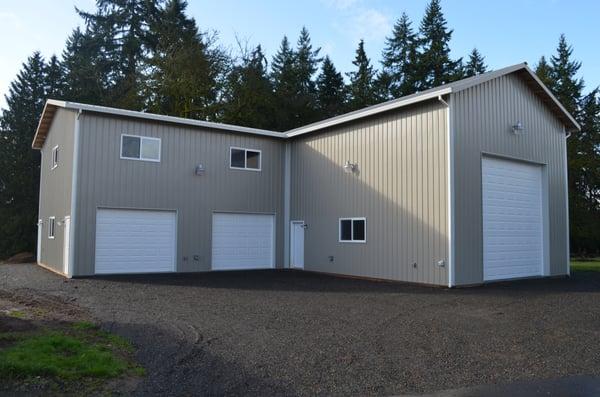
<point>243,241</point>
<point>512,219</point>
<point>135,241</point>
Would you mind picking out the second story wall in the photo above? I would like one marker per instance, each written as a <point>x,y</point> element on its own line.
<point>107,180</point>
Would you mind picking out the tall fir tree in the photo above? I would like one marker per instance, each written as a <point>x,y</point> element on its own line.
<point>55,78</point>
<point>362,87</point>
<point>19,163</point>
<point>283,77</point>
<point>560,74</point>
<point>544,71</point>
<point>435,67</point>
<point>121,27</point>
<point>331,91</point>
<point>249,97</point>
<point>187,71</point>
<point>86,71</point>
<point>400,60</point>
<point>475,65</point>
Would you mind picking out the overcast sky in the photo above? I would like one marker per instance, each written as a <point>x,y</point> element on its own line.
<point>506,32</point>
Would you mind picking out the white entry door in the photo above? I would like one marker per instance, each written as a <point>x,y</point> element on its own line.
<point>297,245</point>
<point>135,241</point>
<point>513,232</point>
<point>243,241</point>
<point>66,245</point>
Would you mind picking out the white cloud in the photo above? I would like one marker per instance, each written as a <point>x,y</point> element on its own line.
<point>341,4</point>
<point>370,24</point>
<point>12,18</point>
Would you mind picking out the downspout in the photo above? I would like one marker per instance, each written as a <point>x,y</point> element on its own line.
<point>450,189</point>
<point>286,203</point>
<point>566,171</point>
<point>74,184</point>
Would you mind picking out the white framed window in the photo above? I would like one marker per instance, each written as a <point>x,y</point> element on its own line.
<point>135,147</point>
<point>245,159</point>
<point>54,159</point>
<point>353,230</point>
<point>51,227</point>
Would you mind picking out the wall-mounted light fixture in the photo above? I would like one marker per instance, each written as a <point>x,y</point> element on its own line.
<point>199,169</point>
<point>350,167</point>
<point>518,128</point>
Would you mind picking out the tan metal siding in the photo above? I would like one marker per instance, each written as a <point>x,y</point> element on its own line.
<point>55,186</point>
<point>107,181</point>
<point>483,116</point>
<point>401,190</point>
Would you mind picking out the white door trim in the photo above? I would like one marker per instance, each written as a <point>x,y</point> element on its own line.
<point>67,246</point>
<point>293,246</point>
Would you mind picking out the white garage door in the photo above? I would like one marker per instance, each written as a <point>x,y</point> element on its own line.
<point>135,241</point>
<point>512,219</point>
<point>243,241</point>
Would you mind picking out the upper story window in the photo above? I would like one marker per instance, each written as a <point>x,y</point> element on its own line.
<point>353,230</point>
<point>135,147</point>
<point>245,159</point>
<point>51,226</point>
<point>54,160</point>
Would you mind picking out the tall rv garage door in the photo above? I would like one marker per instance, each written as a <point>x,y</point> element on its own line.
<point>243,241</point>
<point>512,219</point>
<point>135,241</point>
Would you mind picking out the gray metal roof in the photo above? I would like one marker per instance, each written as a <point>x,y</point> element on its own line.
<point>534,83</point>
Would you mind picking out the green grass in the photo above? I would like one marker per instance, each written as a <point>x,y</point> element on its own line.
<point>81,351</point>
<point>16,314</point>
<point>585,265</point>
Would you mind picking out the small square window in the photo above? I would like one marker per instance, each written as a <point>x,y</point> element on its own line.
<point>54,157</point>
<point>353,230</point>
<point>51,227</point>
<point>140,148</point>
<point>245,159</point>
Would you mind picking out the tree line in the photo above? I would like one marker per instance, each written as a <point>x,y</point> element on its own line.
<point>151,56</point>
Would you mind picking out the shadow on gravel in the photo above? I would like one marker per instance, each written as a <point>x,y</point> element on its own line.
<point>290,280</point>
<point>179,364</point>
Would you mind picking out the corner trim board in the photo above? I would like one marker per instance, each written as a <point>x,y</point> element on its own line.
<point>74,185</point>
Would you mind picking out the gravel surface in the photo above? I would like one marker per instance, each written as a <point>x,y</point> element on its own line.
<point>293,333</point>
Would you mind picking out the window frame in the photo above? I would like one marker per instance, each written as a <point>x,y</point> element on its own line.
<point>352,219</point>
<point>246,150</point>
<point>142,138</point>
<point>54,157</point>
<point>51,227</point>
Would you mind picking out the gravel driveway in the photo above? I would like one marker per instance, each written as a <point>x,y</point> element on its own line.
<point>273,333</point>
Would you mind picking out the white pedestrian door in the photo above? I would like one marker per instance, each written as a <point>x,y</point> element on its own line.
<point>297,244</point>
<point>66,244</point>
<point>513,232</point>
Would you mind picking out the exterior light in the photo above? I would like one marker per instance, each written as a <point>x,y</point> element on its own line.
<point>350,167</point>
<point>518,128</point>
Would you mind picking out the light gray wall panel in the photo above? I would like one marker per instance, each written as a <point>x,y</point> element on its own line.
<point>108,181</point>
<point>483,116</point>
<point>55,186</point>
<point>401,190</point>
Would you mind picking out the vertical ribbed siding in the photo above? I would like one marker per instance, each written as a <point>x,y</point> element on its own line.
<point>55,186</point>
<point>400,189</point>
<point>107,181</point>
<point>483,118</point>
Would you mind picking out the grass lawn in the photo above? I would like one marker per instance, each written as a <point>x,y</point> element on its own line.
<point>585,265</point>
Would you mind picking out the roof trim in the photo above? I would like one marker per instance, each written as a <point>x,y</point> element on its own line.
<point>449,88</point>
<point>52,105</point>
<point>533,81</point>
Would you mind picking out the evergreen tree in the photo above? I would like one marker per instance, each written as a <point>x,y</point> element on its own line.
<point>292,74</point>
<point>566,86</point>
<point>121,27</point>
<point>332,93</point>
<point>400,60</point>
<point>544,71</point>
<point>249,94</point>
<point>85,69</point>
<point>475,65</point>
<point>362,90</point>
<point>55,79</point>
<point>435,66</point>
<point>19,163</point>
<point>186,71</point>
